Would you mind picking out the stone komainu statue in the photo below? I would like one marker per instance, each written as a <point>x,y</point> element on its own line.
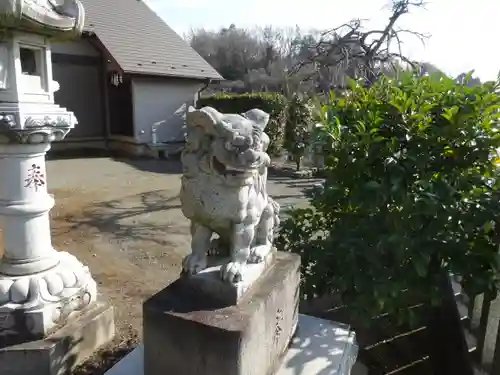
<point>224,189</point>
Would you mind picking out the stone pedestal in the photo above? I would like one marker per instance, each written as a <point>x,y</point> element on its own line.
<point>46,297</point>
<point>50,319</point>
<point>40,287</point>
<point>191,332</point>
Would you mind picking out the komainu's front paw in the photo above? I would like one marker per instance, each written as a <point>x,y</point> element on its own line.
<point>259,253</point>
<point>232,272</point>
<point>194,263</point>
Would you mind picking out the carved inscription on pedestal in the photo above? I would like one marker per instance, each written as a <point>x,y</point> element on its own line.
<point>35,179</point>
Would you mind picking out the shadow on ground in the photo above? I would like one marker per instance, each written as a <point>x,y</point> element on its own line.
<point>290,192</point>
<point>144,164</point>
<point>133,244</point>
<point>319,349</point>
<point>303,183</point>
<point>79,153</point>
<point>152,165</point>
<point>139,217</point>
<point>105,358</point>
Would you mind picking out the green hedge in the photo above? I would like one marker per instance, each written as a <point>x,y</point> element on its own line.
<point>273,103</point>
<point>298,128</point>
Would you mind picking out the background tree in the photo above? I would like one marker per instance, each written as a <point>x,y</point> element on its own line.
<point>232,51</point>
<point>350,50</point>
<point>291,60</point>
<point>257,59</point>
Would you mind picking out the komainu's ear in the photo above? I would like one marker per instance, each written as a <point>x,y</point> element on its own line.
<point>258,116</point>
<point>210,120</point>
<point>265,141</point>
<point>205,118</point>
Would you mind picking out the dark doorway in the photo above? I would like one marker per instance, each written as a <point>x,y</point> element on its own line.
<point>80,91</point>
<point>121,113</point>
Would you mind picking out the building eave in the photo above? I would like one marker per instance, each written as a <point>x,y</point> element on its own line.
<point>217,78</point>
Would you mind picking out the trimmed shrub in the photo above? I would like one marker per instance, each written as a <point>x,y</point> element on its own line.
<point>272,103</point>
<point>412,194</point>
<point>298,127</point>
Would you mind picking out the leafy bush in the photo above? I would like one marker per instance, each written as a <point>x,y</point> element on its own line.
<point>411,193</point>
<point>322,134</point>
<point>298,127</point>
<point>272,103</point>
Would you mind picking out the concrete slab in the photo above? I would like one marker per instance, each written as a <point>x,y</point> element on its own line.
<point>66,348</point>
<point>320,347</point>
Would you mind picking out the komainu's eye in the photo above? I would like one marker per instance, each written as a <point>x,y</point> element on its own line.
<point>241,141</point>
<point>56,3</point>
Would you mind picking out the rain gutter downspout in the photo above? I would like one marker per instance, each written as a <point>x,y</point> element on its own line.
<point>198,94</point>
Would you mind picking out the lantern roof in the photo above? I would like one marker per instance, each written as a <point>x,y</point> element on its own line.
<point>50,17</point>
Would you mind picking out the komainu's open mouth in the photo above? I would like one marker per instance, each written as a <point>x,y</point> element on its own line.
<point>218,166</point>
<point>221,168</point>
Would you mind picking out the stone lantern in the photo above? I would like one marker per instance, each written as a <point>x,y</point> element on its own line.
<point>42,291</point>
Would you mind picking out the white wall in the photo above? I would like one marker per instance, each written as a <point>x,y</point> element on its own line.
<point>162,100</point>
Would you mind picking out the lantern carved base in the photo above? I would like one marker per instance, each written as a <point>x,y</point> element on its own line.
<point>34,122</point>
<point>32,306</point>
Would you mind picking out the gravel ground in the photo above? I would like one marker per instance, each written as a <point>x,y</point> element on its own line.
<point>122,218</point>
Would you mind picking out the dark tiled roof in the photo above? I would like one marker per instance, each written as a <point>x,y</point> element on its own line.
<point>141,42</point>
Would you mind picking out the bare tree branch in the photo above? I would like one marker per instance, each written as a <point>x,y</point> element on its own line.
<point>350,48</point>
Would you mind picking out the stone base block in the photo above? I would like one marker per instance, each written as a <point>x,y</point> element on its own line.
<point>209,283</point>
<point>60,352</point>
<point>190,333</point>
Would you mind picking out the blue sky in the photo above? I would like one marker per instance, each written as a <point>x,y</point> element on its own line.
<point>463,32</point>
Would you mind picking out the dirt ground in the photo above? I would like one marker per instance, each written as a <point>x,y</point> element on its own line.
<point>122,218</point>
